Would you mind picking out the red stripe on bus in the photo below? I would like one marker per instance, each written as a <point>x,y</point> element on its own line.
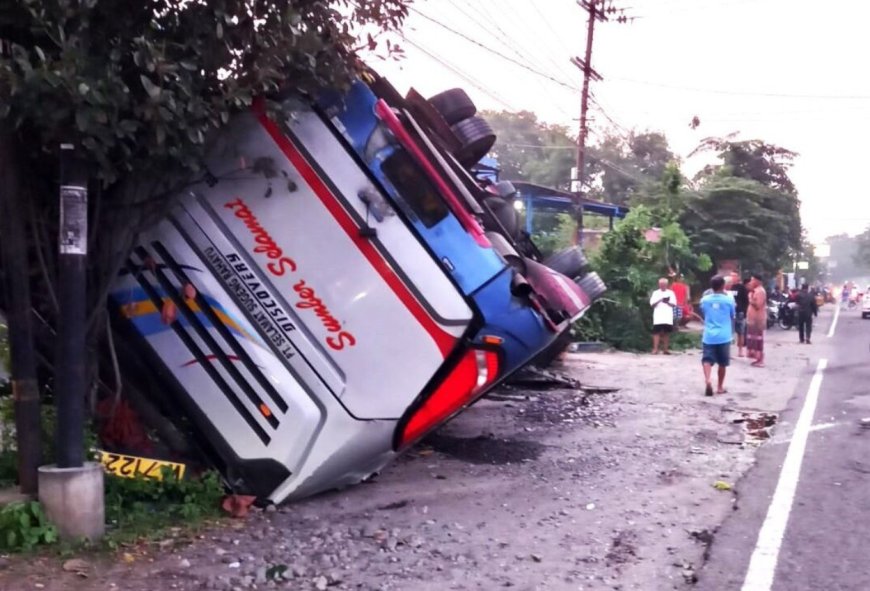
<point>444,341</point>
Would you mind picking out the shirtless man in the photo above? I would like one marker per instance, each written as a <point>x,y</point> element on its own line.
<point>756,320</point>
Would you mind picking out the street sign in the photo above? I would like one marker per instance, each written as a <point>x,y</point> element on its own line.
<point>803,265</point>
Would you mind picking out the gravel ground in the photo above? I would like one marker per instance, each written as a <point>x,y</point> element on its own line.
<point>528,489</point>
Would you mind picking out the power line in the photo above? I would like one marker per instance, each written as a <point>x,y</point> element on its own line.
<point>560,68</point>
<point>607,116</point>
<point>742,93</point>
<point>494,51</point>
<point>501,39</point>
<point>489,21</point>
<point>461,74</point>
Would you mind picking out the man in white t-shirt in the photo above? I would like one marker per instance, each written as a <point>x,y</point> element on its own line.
<point>662,301</point>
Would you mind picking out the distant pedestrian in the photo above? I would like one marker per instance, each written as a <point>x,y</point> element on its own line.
<point>740,291</point>
<point>719,312</point>
<point>662,301</point>
<point>807,308</point>
<point>756,320</point>
<point>844,295</point>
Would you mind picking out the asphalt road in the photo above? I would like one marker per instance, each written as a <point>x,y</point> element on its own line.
<point>802,514</point>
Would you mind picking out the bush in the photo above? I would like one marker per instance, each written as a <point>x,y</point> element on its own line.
<point>631,266</point>
<point>23,526</point>
<point>139,506</point>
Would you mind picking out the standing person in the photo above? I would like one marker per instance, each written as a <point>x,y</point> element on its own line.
<point>756,320</point>
<point>807,308</point>
<point>741,301</point>
<point>718,310</point>
<point>681,290</point>
<point>662,302</point>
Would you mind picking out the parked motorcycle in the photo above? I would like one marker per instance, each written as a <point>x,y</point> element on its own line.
<point>787,315</point>
<point>772,313</point>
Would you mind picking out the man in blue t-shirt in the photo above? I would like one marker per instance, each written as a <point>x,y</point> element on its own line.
<point>718,310</point>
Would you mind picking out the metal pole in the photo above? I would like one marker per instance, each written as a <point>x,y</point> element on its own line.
<point>584,97</point>
<point>70,377</point>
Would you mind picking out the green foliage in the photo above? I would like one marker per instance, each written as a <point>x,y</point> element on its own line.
<point>531,150</point>
<point>631,267</point>
<point>23,526</point>
<point>139,506</point>
<point>736,218</point>
<point>747,207</point>
<point>755,160</point>
<point>9,444</point>
<point>553,231</point>
<point>143,87</point>
<point>624,166</point>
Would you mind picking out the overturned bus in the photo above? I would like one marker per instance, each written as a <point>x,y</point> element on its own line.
<point>339,286</point>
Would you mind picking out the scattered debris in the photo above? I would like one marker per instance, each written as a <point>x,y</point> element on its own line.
<point>705,536</point>
<point>758,425</point>
<point>396,505</point>
<point>486,450</point>
<point>722,485</point>
<point>623,548</point>
<point>238,505</point>
<point>77,566</point>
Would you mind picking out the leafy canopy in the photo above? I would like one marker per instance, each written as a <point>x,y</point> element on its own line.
<point>622,166</point>
<point>531,150</point>
<point>746,207</point>
<point>140,85</point>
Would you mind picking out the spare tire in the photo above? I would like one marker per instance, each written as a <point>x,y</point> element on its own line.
<point>592,285</point>
<point>570,261</point>
<point>454,105</point>
<point>477,139</point>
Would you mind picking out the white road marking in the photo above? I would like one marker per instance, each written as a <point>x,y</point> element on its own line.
<point>762,566</point>
<point>813,429</point>
<point>834,322</point>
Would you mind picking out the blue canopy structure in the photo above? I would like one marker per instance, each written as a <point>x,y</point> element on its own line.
<point>564,201</point>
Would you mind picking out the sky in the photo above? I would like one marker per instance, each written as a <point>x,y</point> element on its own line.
<point>789,72</point>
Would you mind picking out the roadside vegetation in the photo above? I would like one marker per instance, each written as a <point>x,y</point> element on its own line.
<point>743,206</point>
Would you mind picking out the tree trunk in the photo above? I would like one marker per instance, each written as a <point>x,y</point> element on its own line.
<point>15,261</point>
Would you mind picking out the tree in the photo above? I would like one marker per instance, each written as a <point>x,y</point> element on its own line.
<point>531,150</point>
<point>623,166</point>
<point>747,207</point>
<point>140,87</point>
<point>756,160</point>
<point>735,218</point>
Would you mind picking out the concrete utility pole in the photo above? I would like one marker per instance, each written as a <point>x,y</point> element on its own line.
<point>71,334</point>
<point>595,14</point>
<point>599,10</point>
<point>72,490</point>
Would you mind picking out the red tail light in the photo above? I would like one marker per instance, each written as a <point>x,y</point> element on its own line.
<point>477,369</point>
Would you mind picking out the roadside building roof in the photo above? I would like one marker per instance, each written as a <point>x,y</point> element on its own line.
<point>565,201</point>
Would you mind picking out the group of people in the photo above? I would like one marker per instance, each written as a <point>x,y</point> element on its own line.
<point>729,308</point>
